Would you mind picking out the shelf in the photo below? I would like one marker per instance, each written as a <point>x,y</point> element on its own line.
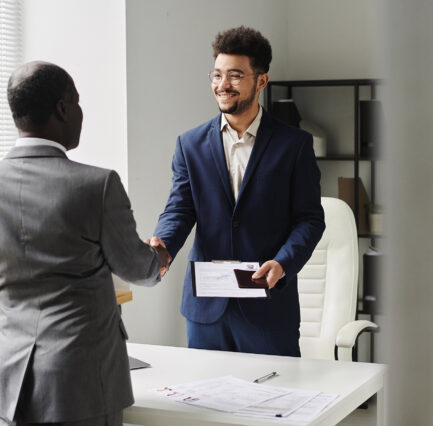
<point>324,83</point>
<point>348,157</point>
<point>370,236</point>
<point>356,154</point>
<point>336,158</point>
<point>362,312</point>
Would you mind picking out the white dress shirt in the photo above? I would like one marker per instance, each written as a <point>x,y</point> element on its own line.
<point>238,151</point>
<point>38,142</point>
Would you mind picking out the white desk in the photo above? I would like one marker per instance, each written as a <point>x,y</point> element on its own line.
<point>354,382</point>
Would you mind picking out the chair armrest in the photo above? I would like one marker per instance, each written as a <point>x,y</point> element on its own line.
<point>347,336</point>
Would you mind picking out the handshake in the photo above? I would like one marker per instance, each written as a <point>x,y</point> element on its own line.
<point>164,255</point>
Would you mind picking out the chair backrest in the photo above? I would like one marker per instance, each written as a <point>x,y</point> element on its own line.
<point>328,283</point>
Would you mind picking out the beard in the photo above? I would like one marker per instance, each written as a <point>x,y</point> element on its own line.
<point>239,106</point>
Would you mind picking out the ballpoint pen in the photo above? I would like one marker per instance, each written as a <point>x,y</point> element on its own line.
<point>267,377</point>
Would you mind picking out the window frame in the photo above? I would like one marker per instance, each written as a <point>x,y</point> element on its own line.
<point>11,53</point>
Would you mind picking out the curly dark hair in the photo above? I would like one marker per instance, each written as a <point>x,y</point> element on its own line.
<point>245,41</point>
<point>33,95</point>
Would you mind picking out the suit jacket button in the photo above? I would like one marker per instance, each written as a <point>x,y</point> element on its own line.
<point>235,224</point>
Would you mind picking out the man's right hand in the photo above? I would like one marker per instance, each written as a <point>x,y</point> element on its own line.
<point>164,255</point>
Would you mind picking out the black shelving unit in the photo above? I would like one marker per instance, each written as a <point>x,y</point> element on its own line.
<point>356,158</point>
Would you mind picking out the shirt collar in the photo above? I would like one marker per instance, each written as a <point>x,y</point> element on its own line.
<point>252,130</point>
<point>38,142</point>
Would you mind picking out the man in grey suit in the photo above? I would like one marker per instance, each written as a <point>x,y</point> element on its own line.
<point>64,228</point>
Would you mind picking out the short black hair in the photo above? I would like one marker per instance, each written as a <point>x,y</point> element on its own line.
<point>33,98</point>
<point>245,41</point>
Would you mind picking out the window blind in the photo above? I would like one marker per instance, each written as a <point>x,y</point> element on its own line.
<point>10,58</point>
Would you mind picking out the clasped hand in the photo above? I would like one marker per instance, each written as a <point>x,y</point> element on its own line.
<point>164,255</point>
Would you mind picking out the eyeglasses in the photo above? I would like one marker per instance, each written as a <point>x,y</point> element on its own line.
<point>234,78</point>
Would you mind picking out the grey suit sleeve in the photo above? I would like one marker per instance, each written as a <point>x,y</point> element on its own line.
<point>126,254</point>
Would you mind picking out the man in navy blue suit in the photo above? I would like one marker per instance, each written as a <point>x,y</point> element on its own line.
<point>251,185</point>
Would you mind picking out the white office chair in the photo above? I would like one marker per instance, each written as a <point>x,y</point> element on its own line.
<point>328,288</point>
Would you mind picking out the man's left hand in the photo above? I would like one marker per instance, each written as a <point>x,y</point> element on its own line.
<point>272,270</point>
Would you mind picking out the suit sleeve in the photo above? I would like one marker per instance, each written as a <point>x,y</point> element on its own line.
<point>126,254</point>
<point>178,218</point>
<point>307,215</point>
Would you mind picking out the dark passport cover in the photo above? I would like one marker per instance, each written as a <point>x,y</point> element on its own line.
<point>244,279</point>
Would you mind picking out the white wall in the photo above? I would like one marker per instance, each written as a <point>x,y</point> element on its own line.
<point>332,39</point>
<point>87,38</point>
<point>168,57</point>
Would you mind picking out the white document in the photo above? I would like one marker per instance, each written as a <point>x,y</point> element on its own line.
<point>238,396</point>
<point>312,408</point>
<point>215,279</point>
<point>281,406</point>
<point>228,393</point>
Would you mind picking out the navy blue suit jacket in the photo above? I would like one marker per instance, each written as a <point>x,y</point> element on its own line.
<point>278,214</point>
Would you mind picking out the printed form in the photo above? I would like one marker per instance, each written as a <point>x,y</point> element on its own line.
<point>217,279</point>
<point>244,398</point>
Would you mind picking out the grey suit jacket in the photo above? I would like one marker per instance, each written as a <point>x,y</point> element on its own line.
<point>64,228</point>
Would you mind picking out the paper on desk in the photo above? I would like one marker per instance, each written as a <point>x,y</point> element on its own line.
<point>218,280</point>
<point>281,406</point>
<point>227,393</point>
<point>312,408</point>
<point>238,396</point>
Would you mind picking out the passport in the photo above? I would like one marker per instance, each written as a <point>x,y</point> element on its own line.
<point>244,279</point>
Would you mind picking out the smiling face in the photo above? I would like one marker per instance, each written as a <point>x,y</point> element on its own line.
<point>232,98</point>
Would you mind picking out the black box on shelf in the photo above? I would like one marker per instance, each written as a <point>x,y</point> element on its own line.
<point>286,111</point>
<point>372,296</point>
<point>370,122</point>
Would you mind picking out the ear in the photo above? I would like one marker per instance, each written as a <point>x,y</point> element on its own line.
<point>262,81</point>
<point>62,110</point>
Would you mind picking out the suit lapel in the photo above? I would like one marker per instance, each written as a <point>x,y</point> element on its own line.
<point>263,137</point>
<point>217,150</point>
